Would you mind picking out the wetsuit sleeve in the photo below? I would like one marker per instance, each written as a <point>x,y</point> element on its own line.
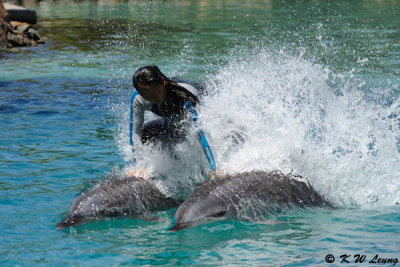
<point>193,88</point>
<point>139,106</point>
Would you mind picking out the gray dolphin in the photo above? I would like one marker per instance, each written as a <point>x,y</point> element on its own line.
<point>116,197</point>
<point>248,196</point>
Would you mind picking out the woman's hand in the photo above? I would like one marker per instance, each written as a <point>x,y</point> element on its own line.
<point>143,173</point>
<point>217,173</point>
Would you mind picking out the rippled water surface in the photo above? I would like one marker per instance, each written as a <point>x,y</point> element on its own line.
<point>312,85</point>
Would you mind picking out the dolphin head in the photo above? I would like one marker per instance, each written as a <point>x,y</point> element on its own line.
<point>82,210</point>
<point>70,221</point>
<point>196,210</point>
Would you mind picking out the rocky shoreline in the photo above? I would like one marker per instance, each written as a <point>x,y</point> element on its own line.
<point>16,29</point>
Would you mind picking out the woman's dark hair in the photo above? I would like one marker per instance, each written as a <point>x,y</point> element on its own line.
<point>148,75</point>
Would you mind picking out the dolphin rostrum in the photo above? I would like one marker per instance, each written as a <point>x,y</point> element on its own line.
<point>116,197</point>
<point>248,196</point>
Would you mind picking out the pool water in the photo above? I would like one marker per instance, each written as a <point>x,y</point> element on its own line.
<point>313,86</point>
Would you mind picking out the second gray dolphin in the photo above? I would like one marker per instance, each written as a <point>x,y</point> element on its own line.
<point>116,197</point>
<point>249,195</point>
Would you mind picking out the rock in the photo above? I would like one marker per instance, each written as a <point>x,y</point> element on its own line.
<point>27,30</point>
<point>17,23</point>
<point>22,28</point>
<point>33,34</point>
<point>18,40</point>
<point>42,40</point>
<point>16,34</point>
<point>3,26</point>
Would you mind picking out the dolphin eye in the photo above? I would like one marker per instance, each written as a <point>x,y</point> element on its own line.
<point>219,214</point>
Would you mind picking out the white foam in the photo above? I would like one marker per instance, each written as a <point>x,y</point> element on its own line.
<point>291,120</point>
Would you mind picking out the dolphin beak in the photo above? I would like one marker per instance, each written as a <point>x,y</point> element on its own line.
<point>62,225</point>
<point>178,227</point>
<point>68,222</point>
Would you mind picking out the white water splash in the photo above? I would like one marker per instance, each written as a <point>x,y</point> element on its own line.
<point>290,119</point>
<point>293,121</point>
<point>175,173</point>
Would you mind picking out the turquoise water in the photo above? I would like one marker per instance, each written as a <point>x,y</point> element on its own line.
<point>313,85</point>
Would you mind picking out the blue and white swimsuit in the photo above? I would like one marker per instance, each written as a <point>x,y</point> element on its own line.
<point>169,128</point>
